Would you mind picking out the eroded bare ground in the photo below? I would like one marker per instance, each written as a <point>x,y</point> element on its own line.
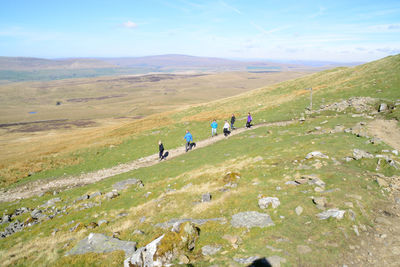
<point>42,186</point>
<point>379,245</point>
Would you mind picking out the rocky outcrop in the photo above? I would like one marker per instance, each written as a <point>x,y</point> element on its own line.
<point>251,219</point>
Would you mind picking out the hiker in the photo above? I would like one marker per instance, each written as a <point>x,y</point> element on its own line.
<point>249,120</point>
<point>214,126</point>
<point>226,129</point>
<point>161,149</point>
<point>189,138</point>
<point>233,119</point>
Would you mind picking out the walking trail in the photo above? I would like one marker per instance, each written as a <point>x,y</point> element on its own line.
<point>41,186</point>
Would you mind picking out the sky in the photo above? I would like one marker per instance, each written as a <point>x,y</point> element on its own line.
<point>340,30</point>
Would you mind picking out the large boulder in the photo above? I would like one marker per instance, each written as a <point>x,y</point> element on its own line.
<point>100,243</point>
<point>121,185</point>
<point>166,248</point>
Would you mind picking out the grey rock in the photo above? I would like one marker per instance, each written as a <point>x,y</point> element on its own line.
<point>6,219</point>
<point>382,107</point>
<point>12,228</point>
<point>251,219</point>
<point>316,154</point>
<point>51,202</point>
<point>263,203</point>
<point>299,210</point>
<point>359,154</point>
<point>102,222</point>
<point>210,250</point>
<point>320,201</point>
<point>99,243</point>
<point>397,200</point>
<point>292,183</point>
<point>246,260</point>
<point>144,256</point>
<point>37,213</point>
<point>95,194</point>
<point>121,185</point>
<point>138,232</point>
<point>112,194</point>
<point>170,223</point>
<point>206,197</point>
<point>275,261</point>
<point>335,213</point>
<point>84,197</point>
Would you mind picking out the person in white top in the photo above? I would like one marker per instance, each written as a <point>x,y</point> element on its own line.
<point>226,128</point>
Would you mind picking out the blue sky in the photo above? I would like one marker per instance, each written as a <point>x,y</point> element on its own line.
<point>282,30</point>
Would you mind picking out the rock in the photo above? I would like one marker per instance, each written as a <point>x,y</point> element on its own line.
<point>314,180</point>
<point>164,249</point>
<point>383,220</point>
<point>263,203</point>
<point>335,213</point>
<point>51,202</point>
<point>395,152</point>
<point>92,225</point>
<point>382,107</point>
<point>275,261</point>
<point>355,229</point>
<point>206,197</point>
<point>210,250</point>
<point>381,182</point>
<point>79,226</point>
<point>318,189</point>
<point>320,202</point>
<point>349,204</point>
<point>183,259</point>
<point>359,154</point>
<point>247,260</point>
<point>6,219</point>
<point>102,222</point>
<point>84,197</point>
<point>121,185</point>
<point>251,219</point>
<point>95,194</point>
<point>99,243</point>
<point>138,232</point>
<point>299,210</point>
<point>303,249</point>
<point>12,228</point>
<point>291,183</point>
<point>170,223</point>
<point>316,154</point>
<point>36,214</point>
<point>112,194</point>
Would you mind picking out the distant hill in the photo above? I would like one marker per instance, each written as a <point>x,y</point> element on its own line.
<point>30,63</point>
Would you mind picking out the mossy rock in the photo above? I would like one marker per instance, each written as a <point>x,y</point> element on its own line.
<point>231,177</point>
<point>179,242</point>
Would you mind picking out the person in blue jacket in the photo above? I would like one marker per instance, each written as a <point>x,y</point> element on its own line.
<point>189,138</point>
<point>214,126</point>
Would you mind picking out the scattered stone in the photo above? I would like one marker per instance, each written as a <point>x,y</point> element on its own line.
<point>6,219</point>
<point>102,222</point>
<point>206,197</point>
<point>170,223</point>
<point>183,259</point>
<point>247,260</point>
<point>121,185</point>
<point>359,154</point>
<point>210,250</point>
<point>316,154</point>
<point>335,213</point>
<point>382,107</point>
<point>54,232</point>
<point>320,202</point>
<point>251,219</point>
<point>299,210</point>
<point>12,228</point>
<point>112,194</point>
<point>233,239</point>
<point>291,183</point>
<point>355,229</point>
<point>99,243</point>
<point>318,189</point>
<point>84,197</point>
<point>95,194</point>
<point>138,232</point>
<point>381,182</point>
<point>303,249</point>
<point>395,152</point>
<point>92,225</point>
<point>79,226</point>
<point>263,203</point>
<point>51,202</point>
<point>275,261</point>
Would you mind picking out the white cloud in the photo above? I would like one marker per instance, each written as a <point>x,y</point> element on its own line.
<point>385,28</point>
<point>129,24</point>
<point>231,7</point>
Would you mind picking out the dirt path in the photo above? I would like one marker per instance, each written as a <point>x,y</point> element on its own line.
<point>41,186</point>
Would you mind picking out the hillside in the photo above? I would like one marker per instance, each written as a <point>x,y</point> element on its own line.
<point>261,195</point>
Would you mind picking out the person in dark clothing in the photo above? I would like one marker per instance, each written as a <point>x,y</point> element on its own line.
<point>161,149</point>
<point>233,119</point>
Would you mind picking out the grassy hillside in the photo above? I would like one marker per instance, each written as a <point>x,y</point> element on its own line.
<point>264,158</point>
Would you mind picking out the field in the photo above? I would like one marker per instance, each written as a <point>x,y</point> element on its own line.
<point>264,160</point>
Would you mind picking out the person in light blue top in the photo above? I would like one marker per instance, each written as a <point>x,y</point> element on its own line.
<point>214,126</point>
<point>189,138</point>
